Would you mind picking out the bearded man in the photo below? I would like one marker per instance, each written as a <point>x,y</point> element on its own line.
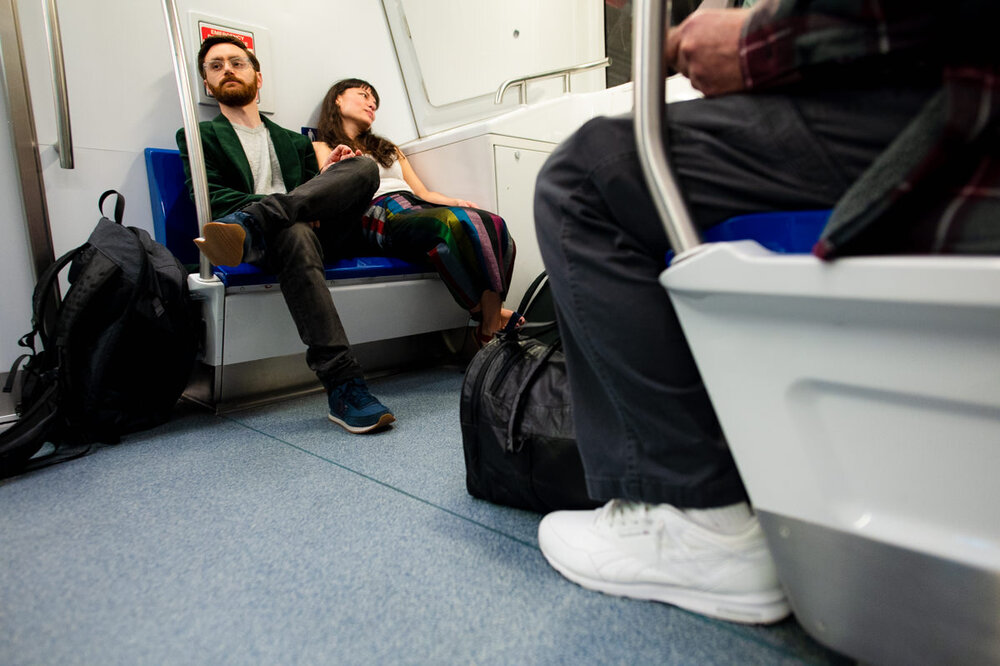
<point>275,207</point>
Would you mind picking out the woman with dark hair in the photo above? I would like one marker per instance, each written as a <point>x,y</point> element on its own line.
<point>470,247</point>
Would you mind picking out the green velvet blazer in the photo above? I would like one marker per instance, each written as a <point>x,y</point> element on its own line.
<point>230,183</point>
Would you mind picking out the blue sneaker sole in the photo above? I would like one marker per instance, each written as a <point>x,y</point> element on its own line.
<point>382,422</point>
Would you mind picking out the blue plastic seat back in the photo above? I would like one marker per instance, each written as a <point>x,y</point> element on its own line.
<point>787,232</point>
<point>175,223</point>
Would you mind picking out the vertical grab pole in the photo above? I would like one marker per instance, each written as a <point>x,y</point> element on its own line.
<point>24,140</point>
<point>64,143</point>
<point>650,30</point>
<point>196,157</point>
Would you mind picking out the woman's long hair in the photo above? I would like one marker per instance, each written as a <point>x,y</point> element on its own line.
<point>331,125</point>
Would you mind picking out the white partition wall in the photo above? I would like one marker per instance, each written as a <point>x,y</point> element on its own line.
<point>455,54</point>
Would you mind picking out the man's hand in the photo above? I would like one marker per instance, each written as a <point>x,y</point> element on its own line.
<point>705,48</point>
<point>341,152</point>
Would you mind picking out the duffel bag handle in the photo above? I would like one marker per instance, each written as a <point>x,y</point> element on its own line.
<point>521,397</point>
<point>529,293</point>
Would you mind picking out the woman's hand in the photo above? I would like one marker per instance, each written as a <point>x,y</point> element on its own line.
<point>341,152</point>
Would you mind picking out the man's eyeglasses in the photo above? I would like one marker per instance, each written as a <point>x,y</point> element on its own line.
<point>238,64</point>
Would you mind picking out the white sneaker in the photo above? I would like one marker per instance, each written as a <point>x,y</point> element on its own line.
<point>656,552</point>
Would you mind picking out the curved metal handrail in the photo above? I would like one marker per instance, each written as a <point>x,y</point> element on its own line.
<point>196,156</point>
<point>650,30</point>
<point>64,142</point>
<point>565,72</point>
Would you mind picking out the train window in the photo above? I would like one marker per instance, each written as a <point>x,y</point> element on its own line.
<point>455,54</point>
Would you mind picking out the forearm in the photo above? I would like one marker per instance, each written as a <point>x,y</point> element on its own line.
<point>443,200</point>
<point>437,198</point>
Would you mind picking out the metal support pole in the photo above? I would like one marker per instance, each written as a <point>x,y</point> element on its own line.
<point>196,156</point>
<point>650,31</point>
<point>64,143</point>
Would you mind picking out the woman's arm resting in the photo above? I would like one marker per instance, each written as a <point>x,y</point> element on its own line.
<point>418,187</point>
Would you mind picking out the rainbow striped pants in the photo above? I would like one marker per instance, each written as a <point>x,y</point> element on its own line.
<point>470,248</point>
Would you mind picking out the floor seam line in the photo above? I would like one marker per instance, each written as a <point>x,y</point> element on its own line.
<point>386,485</point>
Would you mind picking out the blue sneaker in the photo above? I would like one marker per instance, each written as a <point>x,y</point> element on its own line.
<point>356,410</point>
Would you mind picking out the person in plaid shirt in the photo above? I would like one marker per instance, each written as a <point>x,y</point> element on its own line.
<point>937,186</point>
<point>886,111</point>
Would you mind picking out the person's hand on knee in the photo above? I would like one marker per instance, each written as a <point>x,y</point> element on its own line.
<point>705,47</point>
<point>341,152</point>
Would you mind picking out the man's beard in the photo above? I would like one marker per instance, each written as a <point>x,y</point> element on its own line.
<point>235,96</point>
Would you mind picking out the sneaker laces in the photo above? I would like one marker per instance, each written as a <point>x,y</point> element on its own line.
<point>630,518</point>
<point>357,394</point>
<point>620,512</point>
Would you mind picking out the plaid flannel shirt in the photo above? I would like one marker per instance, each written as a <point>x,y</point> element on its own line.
<point>936,188</point>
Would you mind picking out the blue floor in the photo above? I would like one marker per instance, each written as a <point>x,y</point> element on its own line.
<point>270,536</point>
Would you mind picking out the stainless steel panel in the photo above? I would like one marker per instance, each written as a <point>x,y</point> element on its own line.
<point>882,604</point>
<point>22,126</point>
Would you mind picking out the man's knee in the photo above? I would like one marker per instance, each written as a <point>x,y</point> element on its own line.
<point>362,173</point>
<point>367,172</point>
<point>572,163</point>
<point>594,141</point>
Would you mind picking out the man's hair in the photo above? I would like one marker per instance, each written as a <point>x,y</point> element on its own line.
<point>224,39</point>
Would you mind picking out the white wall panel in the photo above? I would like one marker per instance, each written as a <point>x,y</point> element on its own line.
<point>467,48</point>
<point>455,54</point>
<point>123,96</point>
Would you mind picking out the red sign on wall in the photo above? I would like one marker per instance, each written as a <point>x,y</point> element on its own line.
<point>209,30</point>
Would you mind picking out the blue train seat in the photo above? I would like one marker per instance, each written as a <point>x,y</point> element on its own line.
<point>786,232</point>
<point>394,312</point>
<point>175,225</point>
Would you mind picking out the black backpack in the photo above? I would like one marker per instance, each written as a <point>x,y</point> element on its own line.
<point>517,421</point>
<point>116,353</point>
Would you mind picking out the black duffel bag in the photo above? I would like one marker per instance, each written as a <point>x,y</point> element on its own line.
<point>517,422</point>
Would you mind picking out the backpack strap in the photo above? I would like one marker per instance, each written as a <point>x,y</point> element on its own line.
<point>8,385</point>
<point>28,434</point>
<point>43,312</point>
<point>95,274</point>
<point>119,205</point>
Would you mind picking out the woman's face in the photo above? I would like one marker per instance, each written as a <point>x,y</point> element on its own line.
<point>357,107</point>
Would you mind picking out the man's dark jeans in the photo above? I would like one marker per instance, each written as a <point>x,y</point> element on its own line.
<point>294,251</point>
